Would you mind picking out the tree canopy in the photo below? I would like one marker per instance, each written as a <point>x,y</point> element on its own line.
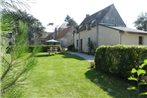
<point>141,22</point>
<point>10,21</point>
<point>14,4</point>
<point>70,21</point>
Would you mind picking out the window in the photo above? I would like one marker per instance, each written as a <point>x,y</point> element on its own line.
<point>81,45</point>
<point>140,40</point>
<point>88,40</point>
<point>77,43</point>
<point>88,26</point>
<point>93,23</point>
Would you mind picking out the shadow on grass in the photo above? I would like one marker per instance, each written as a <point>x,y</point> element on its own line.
<point>115,87</point>
<point>44,54</point>
<point>66,55</point>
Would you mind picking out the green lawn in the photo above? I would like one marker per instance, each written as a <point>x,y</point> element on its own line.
<point>66,76</point>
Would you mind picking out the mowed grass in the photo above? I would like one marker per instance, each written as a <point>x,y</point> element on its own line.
<point>68,76</point>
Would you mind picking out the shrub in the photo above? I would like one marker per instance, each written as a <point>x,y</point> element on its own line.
<point>139,75</point>
<point>42,48</point>
<point>119,60</point>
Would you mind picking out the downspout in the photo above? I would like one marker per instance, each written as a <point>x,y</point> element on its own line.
<point>97,32</point>
<point>120,39</point>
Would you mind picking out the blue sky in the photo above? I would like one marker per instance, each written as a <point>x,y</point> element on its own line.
<point>56,10</point>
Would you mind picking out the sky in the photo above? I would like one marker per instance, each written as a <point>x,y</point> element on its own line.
<point>55,11</point>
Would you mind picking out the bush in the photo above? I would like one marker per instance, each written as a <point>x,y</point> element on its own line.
<point>42,48</point>
<point>119,60</point>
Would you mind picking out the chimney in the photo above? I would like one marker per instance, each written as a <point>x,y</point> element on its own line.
<point>87,15</point>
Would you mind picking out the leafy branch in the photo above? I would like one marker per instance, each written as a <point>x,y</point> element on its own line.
<point>140,77</point>
<point>17,62</point>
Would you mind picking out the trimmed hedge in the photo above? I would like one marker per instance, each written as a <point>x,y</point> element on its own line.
<point>119,59</point>
<point>41,48</point>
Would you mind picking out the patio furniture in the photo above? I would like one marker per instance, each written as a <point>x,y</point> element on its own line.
<point>53,46</point>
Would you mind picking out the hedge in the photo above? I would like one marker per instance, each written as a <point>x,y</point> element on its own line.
<point>119,59</point>
<point>41,48</point>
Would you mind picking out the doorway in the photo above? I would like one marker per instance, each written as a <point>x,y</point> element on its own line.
<point>81,45</point>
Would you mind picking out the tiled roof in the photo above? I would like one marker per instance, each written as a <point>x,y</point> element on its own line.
<point>63,32</point>
<point>96,16</point>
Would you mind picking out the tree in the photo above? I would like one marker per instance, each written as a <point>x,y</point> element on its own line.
<point>14,4</point>
<point>141,22</point>
<point>35,29</point>
<point>70,21</point>
<point>16,64</point>
<point>10,21</point>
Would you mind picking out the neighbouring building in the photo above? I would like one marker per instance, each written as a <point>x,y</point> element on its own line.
<point>65,36</point>
<point>46,36</point>
<point>106,27</point>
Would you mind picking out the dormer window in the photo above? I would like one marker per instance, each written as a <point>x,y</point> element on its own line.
<point>93,22</point>
<point>88,26</point>
<point>82,27</point>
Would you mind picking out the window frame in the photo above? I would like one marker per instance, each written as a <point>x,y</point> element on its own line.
<point>140,40</point>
